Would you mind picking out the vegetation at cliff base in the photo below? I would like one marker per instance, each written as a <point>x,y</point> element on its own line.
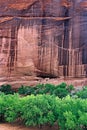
<point>61,90</point>
<point>68,113</point>
<point>45,104</point>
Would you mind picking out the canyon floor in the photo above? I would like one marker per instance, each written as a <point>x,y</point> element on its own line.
<point>21,127</point>
<point>16,82</point>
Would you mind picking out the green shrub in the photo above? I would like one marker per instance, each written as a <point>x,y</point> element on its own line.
<point>7,89</point>
<point>13,106</point>
<point>46,109</point>
<point>9,107</point>
<point>70,88</point>
<point>49,88</point>
<point>2,107</point>
<point>39,89</point>
<point>61,90</point>
<point>82,93</point>
<point>24,90</point>
<point>39,111</point>
<point>68,113</point>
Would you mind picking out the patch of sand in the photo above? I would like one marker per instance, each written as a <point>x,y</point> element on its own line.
<point>20,127</point>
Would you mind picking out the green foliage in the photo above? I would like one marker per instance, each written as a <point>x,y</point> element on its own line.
<point>49,88</point>
<point>61,90</point>
<point>13,107</point>
<point>69,113</point>
<point>2,107</point>
<point>52,106</point>
<point>38,109</point>
<point>26,90</point>
<point>6,89</point>
<point>70,88</point>
<point>82,93</point>
<point>9,107</point>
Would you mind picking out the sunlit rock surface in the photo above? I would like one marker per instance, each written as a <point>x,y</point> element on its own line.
<point>46,38</point>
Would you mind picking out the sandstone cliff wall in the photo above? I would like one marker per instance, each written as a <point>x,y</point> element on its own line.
<point>46,38</point>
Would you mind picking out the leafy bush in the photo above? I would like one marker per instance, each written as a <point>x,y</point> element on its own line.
<point>39,109</point>
<point>82,93</point>
<point>49,88</point>
<point>26,90</point>
<point>9,107</point>
<point>7,89</point>
<point>61,90</point>
<point>70,88</point>
<point>68,113</point>
<point>2,107</point>
<point>13,106</point>
<point>46,109</point>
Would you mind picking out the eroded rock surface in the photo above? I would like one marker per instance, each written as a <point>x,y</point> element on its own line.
<point>46,38</point>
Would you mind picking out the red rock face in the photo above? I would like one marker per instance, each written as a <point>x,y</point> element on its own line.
<point>46,38</point>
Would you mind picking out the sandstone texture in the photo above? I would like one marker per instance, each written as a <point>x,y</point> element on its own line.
<point>46,38</point>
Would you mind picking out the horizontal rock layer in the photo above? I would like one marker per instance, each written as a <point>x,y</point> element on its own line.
<point>46,38</point>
